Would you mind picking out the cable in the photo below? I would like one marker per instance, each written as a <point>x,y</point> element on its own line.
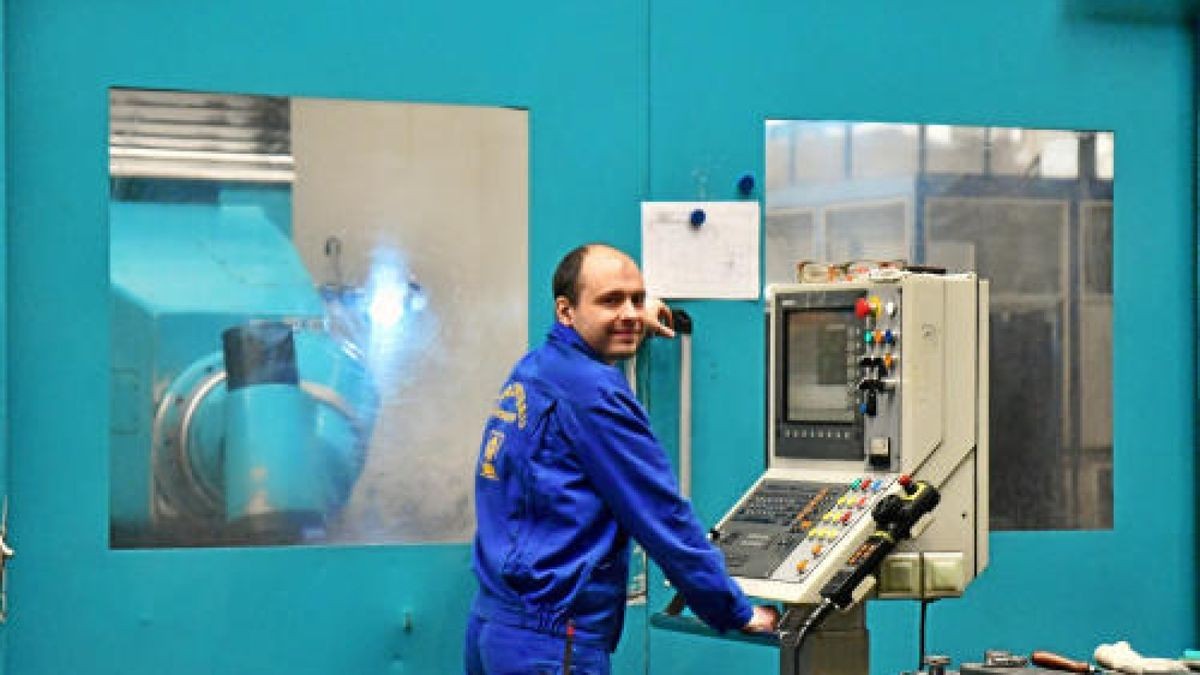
<point>810,623</point>
<point>921,640</point>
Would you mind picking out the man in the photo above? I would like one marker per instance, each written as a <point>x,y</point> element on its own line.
<point>568,470</point>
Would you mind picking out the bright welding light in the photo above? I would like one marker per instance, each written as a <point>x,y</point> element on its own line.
<point>386,306</point>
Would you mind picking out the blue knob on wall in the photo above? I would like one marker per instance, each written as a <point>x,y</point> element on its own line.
<point>697,218</point>
<point>745,184</point>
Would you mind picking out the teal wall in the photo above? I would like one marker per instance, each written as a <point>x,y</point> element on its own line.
<point>4,400</point>
<point>81,608</point>
<point>628,100</point>
<point>718,70</point>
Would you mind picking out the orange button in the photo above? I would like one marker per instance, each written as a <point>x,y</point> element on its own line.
<point>801,566</point>
<point>816,550</point>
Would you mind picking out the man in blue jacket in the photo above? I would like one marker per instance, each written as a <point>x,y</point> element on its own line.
<point>568,470</point>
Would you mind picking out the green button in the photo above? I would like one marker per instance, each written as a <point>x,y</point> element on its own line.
<point>868,336</point>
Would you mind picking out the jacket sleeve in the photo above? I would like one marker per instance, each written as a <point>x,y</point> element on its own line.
<point>629,469</point>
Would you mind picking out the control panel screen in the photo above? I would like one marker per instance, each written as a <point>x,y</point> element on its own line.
<point>820,365</point>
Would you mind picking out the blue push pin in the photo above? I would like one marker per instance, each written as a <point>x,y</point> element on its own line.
<point>697,218</point>
<point>745,184</point>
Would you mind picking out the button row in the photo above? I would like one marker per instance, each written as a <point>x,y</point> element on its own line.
<point>885,336</point>
<point>831,434</point>
<point>866,484</point>
<point>873,307</point>
<point>852,501</point>
<point>824,534</point>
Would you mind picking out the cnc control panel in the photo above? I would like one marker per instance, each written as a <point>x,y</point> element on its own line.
<point>868,380</point>
<point>782,529</point>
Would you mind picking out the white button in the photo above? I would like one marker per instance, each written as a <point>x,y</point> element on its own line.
<point>890,308</point>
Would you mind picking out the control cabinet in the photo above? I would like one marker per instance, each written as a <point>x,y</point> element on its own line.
<point>868,381</point>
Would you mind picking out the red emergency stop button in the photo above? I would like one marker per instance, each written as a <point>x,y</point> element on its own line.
<point>862,308</point>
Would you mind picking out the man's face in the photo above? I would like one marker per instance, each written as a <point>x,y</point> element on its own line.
<point>608,315</point>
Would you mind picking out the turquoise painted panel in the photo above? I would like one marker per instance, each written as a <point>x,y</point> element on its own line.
<point>79,607</point>
<point>227,259</point>
<point>1134,10</point>
<point>4,305</point>
<point>718,71</point>
<point>274,200</point>
<point>581,72</point>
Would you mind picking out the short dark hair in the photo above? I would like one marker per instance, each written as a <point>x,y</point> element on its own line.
<point>566,275</point>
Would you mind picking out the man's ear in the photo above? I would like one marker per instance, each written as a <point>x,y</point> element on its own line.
<point>563,311</point>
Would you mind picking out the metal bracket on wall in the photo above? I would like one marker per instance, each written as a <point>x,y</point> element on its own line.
<point>6,553</point>
<point>683,327</point>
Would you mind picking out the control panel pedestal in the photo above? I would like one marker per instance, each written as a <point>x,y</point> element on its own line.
<point>840,646</point>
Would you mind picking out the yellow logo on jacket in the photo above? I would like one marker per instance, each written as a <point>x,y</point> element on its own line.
<point>490,450</point>
<point>515,393</point>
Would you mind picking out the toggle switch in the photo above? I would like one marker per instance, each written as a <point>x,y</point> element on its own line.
<point>870,405</point>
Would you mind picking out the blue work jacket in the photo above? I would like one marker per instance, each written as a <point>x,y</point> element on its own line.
<point>568,469</point>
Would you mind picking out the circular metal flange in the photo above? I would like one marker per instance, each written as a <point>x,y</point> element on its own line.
<point>180,488</point>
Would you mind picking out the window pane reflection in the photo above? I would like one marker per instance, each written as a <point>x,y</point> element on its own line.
<point>1029,209</point>
<point>884,150</point>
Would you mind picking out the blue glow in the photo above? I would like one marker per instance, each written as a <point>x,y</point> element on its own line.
<point>387,297</point>
<point>418,301</point>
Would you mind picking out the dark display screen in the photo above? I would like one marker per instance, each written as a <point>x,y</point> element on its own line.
<point>820,345</point>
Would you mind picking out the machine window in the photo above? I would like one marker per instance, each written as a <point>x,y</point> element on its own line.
<point>298,287</point>
<point>1030,210</point>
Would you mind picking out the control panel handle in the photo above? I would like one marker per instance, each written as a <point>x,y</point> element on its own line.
<point>673,619</point>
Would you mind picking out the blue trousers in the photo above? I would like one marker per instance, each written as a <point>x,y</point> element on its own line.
<point>496,649</point>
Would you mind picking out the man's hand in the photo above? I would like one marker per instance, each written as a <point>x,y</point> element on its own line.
<point>656,317</point>
<point>764,620</point>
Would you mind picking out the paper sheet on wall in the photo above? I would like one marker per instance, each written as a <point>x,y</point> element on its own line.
<point>717,259</point>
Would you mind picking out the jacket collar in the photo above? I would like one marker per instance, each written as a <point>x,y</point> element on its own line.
<point>568,336</point>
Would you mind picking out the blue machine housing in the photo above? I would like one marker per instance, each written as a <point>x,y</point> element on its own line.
<point>194,462</point>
